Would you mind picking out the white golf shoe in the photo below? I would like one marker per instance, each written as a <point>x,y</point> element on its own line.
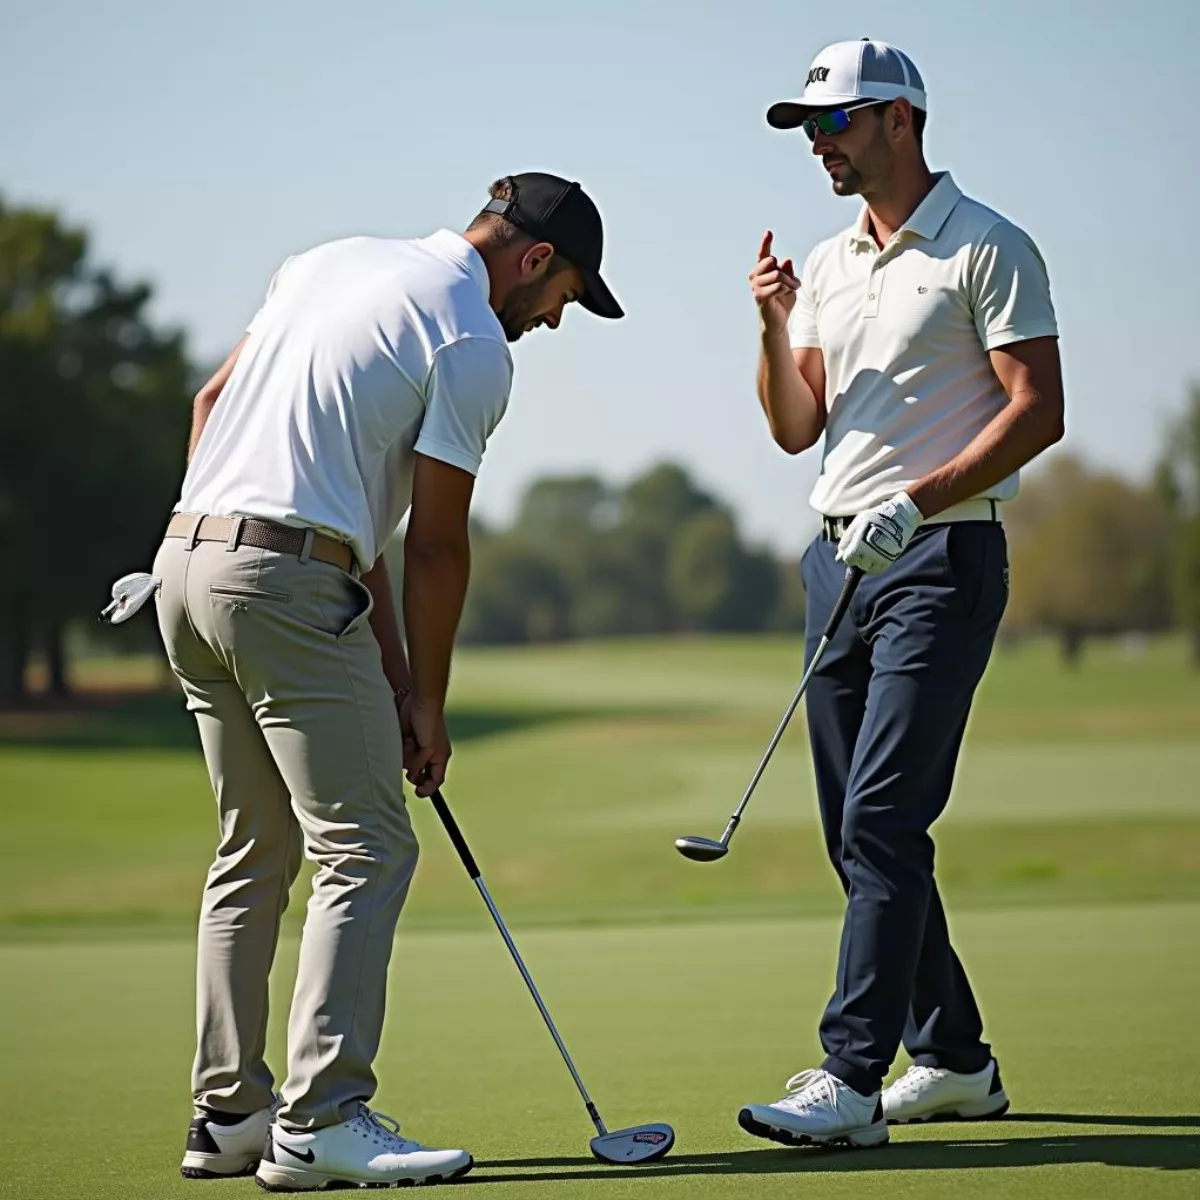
<point>818,1110</point>
<point>367,1150</point>
<point>933,1094</point>
<point>217,1148</point>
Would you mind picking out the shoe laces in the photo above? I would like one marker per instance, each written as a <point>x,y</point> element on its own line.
<point>809,1088</point>
<point>385,1128</point>
<point>912,1079</point>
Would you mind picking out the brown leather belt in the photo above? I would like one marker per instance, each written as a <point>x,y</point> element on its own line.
<point>263,535</point>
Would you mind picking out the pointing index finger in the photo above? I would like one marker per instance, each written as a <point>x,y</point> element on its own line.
<point>764,251</point>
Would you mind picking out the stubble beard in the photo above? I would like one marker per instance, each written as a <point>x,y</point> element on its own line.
<point>519,308</point>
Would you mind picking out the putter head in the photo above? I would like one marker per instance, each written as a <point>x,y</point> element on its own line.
<point>641,1144</point>
<point>701,849</point>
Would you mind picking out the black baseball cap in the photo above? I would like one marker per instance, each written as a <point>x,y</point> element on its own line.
<point>557,211</point>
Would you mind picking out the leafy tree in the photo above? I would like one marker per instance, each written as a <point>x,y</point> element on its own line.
<point>559,509</point>
<point>93,424</point>
<point>714,581</point>
<point>517,595</point>
<point>1090,554</point>
<point>788,615</point>
<point>660,501</point>
<point>1178,483</point>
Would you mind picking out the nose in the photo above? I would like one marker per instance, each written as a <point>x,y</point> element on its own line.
<point>553,318</point>
<point>822,144</point>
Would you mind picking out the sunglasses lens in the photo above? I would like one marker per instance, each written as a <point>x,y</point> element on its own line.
<point>837,121</point>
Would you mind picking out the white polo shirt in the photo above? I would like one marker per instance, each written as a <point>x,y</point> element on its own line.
<point>905,333</point>
<point>366,352</point>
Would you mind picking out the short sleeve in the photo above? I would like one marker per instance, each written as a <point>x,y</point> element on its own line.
<point>256,320</point>
<point>1010,289</point>
<point>466,396</point>
<point>802,324</point>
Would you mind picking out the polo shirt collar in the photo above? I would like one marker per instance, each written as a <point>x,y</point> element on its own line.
<point>933,212</point>
<point>926,222</point>
<point>456,247</point>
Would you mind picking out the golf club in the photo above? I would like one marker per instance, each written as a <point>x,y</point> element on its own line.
<point>702,849</point>
<point>641,1143</point>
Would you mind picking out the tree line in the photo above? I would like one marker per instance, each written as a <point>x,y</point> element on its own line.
<point>94,410</point>
<point>586,559</point>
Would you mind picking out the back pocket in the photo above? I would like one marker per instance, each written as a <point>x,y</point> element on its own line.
<point>239,592</point>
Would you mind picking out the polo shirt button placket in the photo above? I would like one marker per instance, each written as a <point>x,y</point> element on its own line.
<point>874,288</point>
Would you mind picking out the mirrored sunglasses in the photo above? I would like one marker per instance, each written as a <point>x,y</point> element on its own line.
<point>836,120</point>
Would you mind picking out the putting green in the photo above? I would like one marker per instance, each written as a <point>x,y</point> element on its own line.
<point>1092,1011</point>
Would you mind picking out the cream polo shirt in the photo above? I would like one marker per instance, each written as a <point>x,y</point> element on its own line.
<point>366,352</point>
<point>905,333</point>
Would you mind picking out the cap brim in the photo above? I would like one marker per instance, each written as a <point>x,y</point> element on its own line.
<point>791,114</point>
<point>597,298</point>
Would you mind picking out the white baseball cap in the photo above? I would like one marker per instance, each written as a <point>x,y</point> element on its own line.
<point>849,73</point>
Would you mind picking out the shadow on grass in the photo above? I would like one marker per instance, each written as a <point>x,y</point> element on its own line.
<point>1161,1152</point>
<point>1104,1119</point>
<point>157,720</point>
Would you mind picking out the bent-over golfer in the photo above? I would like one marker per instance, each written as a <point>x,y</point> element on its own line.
<point>922,343</point>
<point>370,379</point>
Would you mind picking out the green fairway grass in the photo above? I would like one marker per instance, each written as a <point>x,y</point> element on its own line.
<point>576,766</point>
<point>1091,1010</point>
<point>1070,858</point>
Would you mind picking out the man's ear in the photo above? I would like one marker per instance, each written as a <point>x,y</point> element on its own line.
<point>900,118</point>
<point>536,259</point>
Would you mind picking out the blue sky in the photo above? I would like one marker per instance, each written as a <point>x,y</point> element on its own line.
<point>202,144</point>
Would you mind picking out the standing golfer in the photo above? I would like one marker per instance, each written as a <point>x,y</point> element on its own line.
<point>370,379</point>
<point>922,343</point>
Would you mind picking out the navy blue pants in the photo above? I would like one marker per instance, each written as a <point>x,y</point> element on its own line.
<point>887,709</point>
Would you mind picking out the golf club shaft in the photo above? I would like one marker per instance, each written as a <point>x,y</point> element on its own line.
<point>853,575</point>
<point>468,860</point>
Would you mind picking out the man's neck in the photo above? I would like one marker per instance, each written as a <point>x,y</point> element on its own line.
<point>887,213</point>
<point>483,244</point>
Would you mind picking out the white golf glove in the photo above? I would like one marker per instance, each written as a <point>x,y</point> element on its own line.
<point>877,537</point>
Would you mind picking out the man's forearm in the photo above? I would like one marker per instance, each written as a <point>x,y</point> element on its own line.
<point>202,408</point>
<point>383,625</point>
<point>208,396</point>
<point>435,585</point>
<point>795,415</point>
<point>1025,427</point>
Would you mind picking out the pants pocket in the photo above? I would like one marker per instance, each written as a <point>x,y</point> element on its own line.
<point>362,603</point>
<point>342,606</point>
<point>970,561</point>
<point>241,592</point>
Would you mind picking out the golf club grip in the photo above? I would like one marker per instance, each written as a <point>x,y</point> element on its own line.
<point>456,835</point>
<point>853,575</point>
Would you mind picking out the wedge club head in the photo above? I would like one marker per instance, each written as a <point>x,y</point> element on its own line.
<point>701,849</point>
<point>641,1144</point>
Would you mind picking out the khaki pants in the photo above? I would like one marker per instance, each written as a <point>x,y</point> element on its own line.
<point>299,730</point>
